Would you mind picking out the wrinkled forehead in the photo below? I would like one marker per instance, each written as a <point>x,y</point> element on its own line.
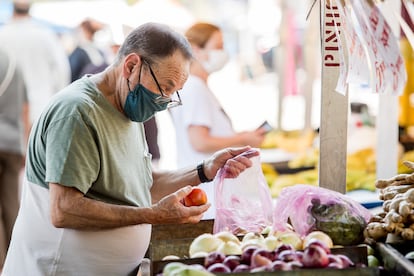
<point>174,69</point>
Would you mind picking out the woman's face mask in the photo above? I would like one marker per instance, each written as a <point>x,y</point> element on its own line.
<point>140,105</point>
<point>216,60</point>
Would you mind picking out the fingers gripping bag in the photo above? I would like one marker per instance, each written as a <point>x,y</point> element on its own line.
<point>244,203</point>
<point>308,208</point>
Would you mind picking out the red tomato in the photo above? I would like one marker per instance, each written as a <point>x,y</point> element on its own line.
<point>197,197</point>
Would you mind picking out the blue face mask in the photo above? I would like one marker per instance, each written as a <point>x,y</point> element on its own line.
<point>140,105</point>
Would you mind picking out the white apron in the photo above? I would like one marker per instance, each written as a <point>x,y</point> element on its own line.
<point>39,249</point>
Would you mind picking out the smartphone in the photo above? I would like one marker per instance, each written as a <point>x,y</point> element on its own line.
<point>266,126</point>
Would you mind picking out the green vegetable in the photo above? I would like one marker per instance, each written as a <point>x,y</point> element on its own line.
<point>373,261</point>
<point>338,221</point>
<point>410,255</point>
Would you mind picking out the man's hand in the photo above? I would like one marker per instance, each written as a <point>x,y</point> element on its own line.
<point>236,161</point>
<point>171,209</point>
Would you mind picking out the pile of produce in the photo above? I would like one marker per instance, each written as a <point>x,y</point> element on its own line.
<point>309,177</point>
<point>256,253</point>
<point>397,215</point>
<point>291,141</point>
<point>338,221</point>
<point>406,156</point>
<point>360,172</point>
<point>284,258</point>
<point>308,208</point>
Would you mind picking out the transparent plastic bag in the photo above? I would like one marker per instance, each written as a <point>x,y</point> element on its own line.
<point>308,208</point>
<point>243,204</point>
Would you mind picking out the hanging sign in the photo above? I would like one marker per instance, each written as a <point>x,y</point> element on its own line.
<point>388,73</point>
<point>357,70</point>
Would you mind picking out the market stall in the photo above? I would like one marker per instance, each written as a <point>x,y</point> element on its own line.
<point>376,247</point>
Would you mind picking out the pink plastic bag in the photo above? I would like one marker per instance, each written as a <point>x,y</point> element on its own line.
<point>243,204</point>
<point>308,208</point>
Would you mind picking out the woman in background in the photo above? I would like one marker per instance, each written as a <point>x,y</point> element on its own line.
<point>201,124</point>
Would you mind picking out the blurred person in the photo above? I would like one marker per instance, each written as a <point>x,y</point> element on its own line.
<point>86,53</point>
<point>90,194</point>
<point>40,56</point>
<point>202,126</point>
<point>14,126</point>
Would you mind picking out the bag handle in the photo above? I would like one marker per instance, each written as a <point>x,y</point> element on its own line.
<point>250,153</point>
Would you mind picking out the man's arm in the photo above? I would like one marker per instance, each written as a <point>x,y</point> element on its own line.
<point>71,209</point>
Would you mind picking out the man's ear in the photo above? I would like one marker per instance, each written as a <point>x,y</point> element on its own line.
<point>132,63</point>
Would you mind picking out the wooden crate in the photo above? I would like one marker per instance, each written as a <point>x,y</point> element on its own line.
<point>181,231</point>
<point>175,239</point>
<point>158,249</point>
<point>358,254</point>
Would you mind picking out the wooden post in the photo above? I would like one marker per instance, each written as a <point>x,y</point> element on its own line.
<point>334,107</point>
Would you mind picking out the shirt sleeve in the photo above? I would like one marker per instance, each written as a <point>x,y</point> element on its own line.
<point>72,157</point>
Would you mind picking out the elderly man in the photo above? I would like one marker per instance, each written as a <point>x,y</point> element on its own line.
<point>90,195</point>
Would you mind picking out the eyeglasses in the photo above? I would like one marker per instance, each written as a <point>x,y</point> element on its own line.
<point>164,99</point>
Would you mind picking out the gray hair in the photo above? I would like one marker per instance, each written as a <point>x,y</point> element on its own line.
<point>154,41</point>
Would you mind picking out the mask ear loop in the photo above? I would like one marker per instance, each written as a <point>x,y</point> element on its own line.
<point>140,71</point>
<point>129,87</point>
<point>139,78</point>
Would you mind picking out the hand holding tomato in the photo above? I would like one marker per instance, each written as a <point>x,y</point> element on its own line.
<point>196,197</point>
<point>171,209</point>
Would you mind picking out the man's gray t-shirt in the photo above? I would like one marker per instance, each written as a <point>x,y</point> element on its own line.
<point>82,141</point>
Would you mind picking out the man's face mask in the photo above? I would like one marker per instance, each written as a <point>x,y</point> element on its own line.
<point>141,104</point>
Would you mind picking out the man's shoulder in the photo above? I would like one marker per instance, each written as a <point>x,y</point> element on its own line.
<point>78,96</point>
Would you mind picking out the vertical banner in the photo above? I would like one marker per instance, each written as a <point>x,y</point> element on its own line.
<point>334,107</point>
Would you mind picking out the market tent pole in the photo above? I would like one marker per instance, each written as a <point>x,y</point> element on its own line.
<point>280,58</point>
<point>334,106</point>
<point>311,58</point>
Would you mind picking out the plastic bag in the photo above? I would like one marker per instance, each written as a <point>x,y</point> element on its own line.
<point>243,204</point>
<point>309,208</point>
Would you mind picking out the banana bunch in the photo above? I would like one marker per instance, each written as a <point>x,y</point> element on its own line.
<point>364,159</point>
<point>406,108</point>
<point>361,170</point>
<point>360,180</point>
<point>406,156</point>
<point>292,141</point>
<point>309,177</point>
<point>269,173</point>
<point>308,158</point>
<point>270,140</point>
